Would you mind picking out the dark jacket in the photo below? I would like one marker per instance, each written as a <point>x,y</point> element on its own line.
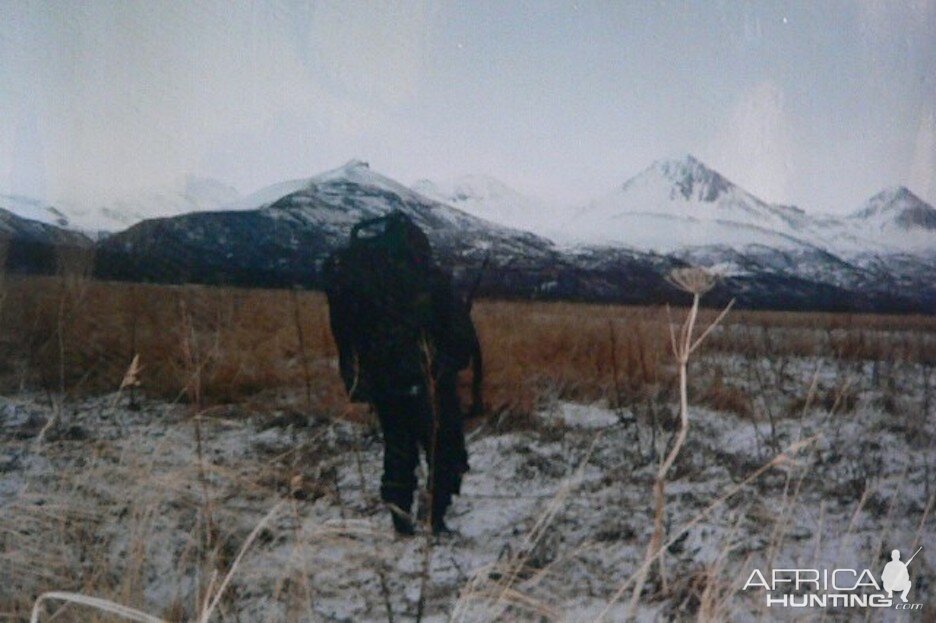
<point>388,330</point>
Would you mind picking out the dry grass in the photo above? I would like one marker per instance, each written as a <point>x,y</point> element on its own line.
<point>70,335</point>
<point>245,340</point>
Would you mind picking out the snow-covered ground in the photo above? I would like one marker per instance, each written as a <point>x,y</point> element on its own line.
<point>554,516</point>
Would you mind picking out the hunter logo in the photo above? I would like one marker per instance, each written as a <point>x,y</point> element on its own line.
<point>837,588</point>
<point>896,577</point>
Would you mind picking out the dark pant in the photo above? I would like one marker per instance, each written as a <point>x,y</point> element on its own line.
<point>409,423</point>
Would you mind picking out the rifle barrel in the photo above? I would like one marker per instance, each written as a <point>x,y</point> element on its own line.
<point>469,300</point>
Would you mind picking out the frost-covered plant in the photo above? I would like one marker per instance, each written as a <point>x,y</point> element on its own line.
<point>695,281</point>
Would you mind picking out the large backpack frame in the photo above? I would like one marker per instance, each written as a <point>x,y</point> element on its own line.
<point>391,256</point>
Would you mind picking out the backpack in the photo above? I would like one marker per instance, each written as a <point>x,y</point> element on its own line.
<point>386,296</point>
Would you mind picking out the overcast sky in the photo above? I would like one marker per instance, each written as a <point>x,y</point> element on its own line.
<point>820,104</point>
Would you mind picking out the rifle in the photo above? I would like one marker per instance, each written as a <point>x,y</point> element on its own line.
<point>477,369</point>
<point>469,299</point>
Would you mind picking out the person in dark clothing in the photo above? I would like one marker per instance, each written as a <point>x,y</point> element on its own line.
<point>402,338</point>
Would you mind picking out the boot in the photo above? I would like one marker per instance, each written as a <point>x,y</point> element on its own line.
<point>440,504</point>
<point>402,522</point>
<point>400,503</point>
<point>439,528</point>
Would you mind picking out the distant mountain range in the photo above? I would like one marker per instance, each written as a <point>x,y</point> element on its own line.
<point>682,204</point>
<point>195,195</point>
<point>684,210</point>
<point>294,225</point>
<point>619,247</point>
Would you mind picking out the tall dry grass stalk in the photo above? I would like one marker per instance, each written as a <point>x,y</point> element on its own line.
<point>303,356</point>
<point>96,603</point>
<point>194,364</point>
<point>212,601</point>
<point>716,592</point>
<point>696,282</point>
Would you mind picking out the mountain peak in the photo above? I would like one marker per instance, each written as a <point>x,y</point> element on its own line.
<point>893,194</point>
<point>890,200</point>
<point>685,160</point>
<point>359,172</point>
<point>898,205</point>
<point>356,164</point>
<point>352,169</point>
<point>690,177</point>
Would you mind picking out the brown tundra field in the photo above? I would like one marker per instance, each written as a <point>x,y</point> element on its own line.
<point>186,453</point>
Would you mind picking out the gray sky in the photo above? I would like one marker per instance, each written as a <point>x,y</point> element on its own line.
<point>820,104</point>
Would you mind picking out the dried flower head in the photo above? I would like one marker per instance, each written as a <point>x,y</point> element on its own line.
<point>693,280</point>
<point>132,375</point>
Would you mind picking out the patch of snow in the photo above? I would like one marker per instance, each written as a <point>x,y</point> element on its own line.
<point>138,499</point>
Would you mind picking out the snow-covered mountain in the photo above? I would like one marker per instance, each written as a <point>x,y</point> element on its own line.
<point>896,221</point>
<point>679,204</point>
<point>493,200</point>
<point>14,227</point>
<point>881,257</point>
<point>33,210</point>
<point>32,246</point>
<point>337,199</point>
<point>686,210</point>
<point>280,235</point>
<point>897,209</point>
<point>194,194</point>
